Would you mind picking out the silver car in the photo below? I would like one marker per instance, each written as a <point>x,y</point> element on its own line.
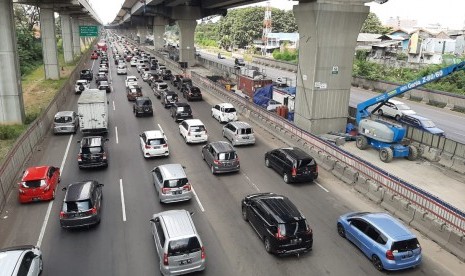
<point>171,183</point>
<point>21,260</point>
<point>65,122</point>
<point>179,247</point>
<point>220,157</point>
<point>239,133</point>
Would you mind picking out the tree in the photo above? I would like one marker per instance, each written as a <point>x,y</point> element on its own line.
<point>373,25</point>
<point>26,17</point>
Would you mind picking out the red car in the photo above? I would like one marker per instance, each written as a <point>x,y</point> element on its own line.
<point>94,56</point>
<point>38,183</point>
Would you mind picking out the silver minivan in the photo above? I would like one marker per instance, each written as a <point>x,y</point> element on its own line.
<point>65,122</point>
<point>171,183</point>
<point>239,133</point>
<point>178,244</point>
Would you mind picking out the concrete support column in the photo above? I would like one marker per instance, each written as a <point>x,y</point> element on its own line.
<point>328,33</point>
<point>49,43</point>
<point>186,41</point>
<point>159,24</point>
<point>142,32</point>
<point>11,94</point>
<point>67,37</point>
<point>76,37</point>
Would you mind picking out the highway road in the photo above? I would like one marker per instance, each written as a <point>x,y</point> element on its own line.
<point>122,244</point>
<point>450,121</point>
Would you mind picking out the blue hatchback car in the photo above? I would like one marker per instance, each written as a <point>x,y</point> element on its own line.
<point>382,238</point>
<point>422,123</point>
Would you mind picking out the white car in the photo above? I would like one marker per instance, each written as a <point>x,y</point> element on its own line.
<point>193,131</point>
<point>281,81</point>
<point>224,112</point>
<point>133,62</point>
<point>154,143</point>
<point>131,80</point>
<point>141,67</point>
<point>395,109</point>
<point>146,76</point>
<point>80,86</point>
<point>103,68</point>
<point>122,70</point>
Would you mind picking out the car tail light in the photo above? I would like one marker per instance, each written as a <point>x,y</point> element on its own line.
<point>389,255</point>
<point>187,187</point>
<point>203,255</point>
<point>165,259</point>
<point>165,145</point>
<point>79,157</point>
<point>165,190</point>
<point>294,171</point>
<point>278,235</point>
<point>309,231</point>
<point>216,162</point>
<point>148,147</point>
<point>21,191</point>
<point>62,214</point>
<point>104,156</point>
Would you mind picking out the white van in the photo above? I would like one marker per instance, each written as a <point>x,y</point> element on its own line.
<point>193,131</point>
<point>395,109</point>
<point>224,112</point>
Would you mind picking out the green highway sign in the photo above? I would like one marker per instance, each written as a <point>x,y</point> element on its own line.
<point>88,30</point>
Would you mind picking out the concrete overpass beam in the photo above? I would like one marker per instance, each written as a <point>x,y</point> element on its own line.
<point>11,94</point>
<point>67,37</point>
<point>76,37</point>
<point>49,43</point>
<point>159,24</point>
<point>328,32</point>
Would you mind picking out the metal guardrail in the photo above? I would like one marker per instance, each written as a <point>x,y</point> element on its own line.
<point>419,197</point>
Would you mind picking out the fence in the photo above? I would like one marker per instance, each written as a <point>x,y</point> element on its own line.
<point>24,146</point>
<point>426,201</point>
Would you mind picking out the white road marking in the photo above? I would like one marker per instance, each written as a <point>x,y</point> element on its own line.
<point>324,189</point>
<point>123,207</point>
<point>116,131</point>
<point>50,204</point>
<point>251,183</point>
<point>198,200</point>
<point>114,105</point>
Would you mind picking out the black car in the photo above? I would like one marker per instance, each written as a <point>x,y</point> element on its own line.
<point>82,204</point>
<point>191,93</point>
<point>184,82</point>
<point>86,75</point>
<point>175,79</point>
<point>142,106</point>
<point>103,85</point>
<point>278,222</point>
<point>93,152</point>
<point>168,98</point>
<point>293,164</point>
<point>166,74</point>
<point>239,62</point>
<point>181,111</point>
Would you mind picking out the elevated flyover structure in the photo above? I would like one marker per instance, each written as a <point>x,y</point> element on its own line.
<point>328,32</point>
<point>73,13</point>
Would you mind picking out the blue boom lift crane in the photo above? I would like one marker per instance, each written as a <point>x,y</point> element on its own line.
<point>387,137</point>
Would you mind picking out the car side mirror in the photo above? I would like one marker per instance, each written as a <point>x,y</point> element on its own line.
<point>100,185</point>
<point>79,141</point>
<point>152,220</point>
<point>191,213</point>
<point>63,189</point>
<point>106,139</point>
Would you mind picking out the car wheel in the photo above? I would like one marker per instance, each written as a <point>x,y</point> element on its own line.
<point>185,139</point>
<point>267,245</point>
<point>41,266</point>
<point>397,117</point>
<point>341,231</point>
<point>386,155</point>
<point>377,263</point>
<point>53,195</point>
<point>361,142</point>
<point>286,178</point>
<point>267,163</point>
<point>212,169</point>
<point>412,153</point>
<point>380,112</point>
<point>244,213</point>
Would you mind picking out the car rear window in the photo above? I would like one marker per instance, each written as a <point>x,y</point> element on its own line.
<point>230,110</point>
<point>406,245</point>
<point>197,128</point>
<point>144,102</point>
<point>63,119</point>
<point>183,246</point>
<point>227,155</point>
<point>245,130</point>
<point>76,206</point>
<point>195,90</point>
<point>183,109</point>
<point>175,183</point>
<point>292,228</point>
<point>305,163</point>
<point>34,183</point>
<point>156,142</point>
<point>92,150</point>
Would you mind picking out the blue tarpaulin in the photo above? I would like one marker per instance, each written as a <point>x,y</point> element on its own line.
<point>263,95</point>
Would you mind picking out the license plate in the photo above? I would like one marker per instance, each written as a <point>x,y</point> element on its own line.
<point>183,114</point>
<point>295,241</point>
<point>197,135</point>
<point>245,137</point>
<point>157,147</point>
<point>177,192</point>
<point>183,262</point>
<point>36,199</point>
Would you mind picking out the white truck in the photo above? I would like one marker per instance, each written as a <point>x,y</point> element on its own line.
<point>93,112</point>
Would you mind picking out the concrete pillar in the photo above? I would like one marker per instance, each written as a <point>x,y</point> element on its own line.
<point>49,43</point>
<point>186,41</point>
<point>11,94</point>
<point>328,33</point>
<point>76,37</point>
<point>67,37</point>
<point>142,33</point>
<point>159,24</point>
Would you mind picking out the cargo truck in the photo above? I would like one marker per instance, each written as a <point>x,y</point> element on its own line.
<point>93,112</point>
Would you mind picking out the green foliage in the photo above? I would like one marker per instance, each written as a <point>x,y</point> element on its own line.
<point>361,54</point>
<point>286,55</point>
<point>373,25</point>
<point>8,132</point>
<point>29,50</point>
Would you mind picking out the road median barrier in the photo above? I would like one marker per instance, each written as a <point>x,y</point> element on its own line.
<point>405,211</point>
<point>440,232</point>
<point>456,244</point>
<point>422,221</point>
<point>350,176</point>
<point>390,202</point>
<point>446,159</point>
<point>362,185</point>
<point>338,170</point>
<point>327,162</point>
<point>375,192</point>
<point>431,154</point>
<point>458,164</point>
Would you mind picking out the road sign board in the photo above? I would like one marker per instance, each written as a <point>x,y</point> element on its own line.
<point>88,30</point>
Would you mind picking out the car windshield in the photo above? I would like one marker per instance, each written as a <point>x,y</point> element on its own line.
<point>403,107</point>
<point>407,245</point>
<point>230,110</point>
<point>197,128</point>
<point>76,206</point>
<point>63,119</point>
<point>428,123</point>
<point>34,183</point>
<point>227,155</point>
<point>175,183</point>
<point>156,142</point>
<point>92,150</point>
<point>292,228</point>
<point>183,246</point>
<point>162,86</point>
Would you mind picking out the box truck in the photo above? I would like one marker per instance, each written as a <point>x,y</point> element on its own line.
<point>93,112</point>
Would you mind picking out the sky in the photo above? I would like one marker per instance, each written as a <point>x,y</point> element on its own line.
<point>448,13</point>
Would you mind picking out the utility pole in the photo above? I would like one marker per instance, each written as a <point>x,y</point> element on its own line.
<point>266,27</point>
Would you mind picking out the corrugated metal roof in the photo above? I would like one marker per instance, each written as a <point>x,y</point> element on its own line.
<point>367,37</point>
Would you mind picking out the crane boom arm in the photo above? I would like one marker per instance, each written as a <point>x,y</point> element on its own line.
<point>362,107</point>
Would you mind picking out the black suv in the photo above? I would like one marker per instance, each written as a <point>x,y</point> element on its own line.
<point>293,164</point>
<point>166,74</point>
<point>175,79</point>
<point>82,204</point>
<point>191,93</point>
<point>181,111</point>
<point>278,222</point>
<point>142,106</point>
<point>86,75</point>
<point>239,62</point>
<point>93,152</point>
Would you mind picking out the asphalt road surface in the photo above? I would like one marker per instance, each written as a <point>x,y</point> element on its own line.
<point>122,244</point>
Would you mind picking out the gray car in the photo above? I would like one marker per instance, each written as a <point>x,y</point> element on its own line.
<point>220,157</point>
<point>65,122</point>
<point>239,133</point>
<point>171,183</point>
<point>21,260</point>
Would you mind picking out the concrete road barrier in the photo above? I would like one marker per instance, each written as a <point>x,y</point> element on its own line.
<point>327,162</point>
<point>458,164</point>
<point>422,221</point>
<point>440,232</point>
<point>350,176</point>
<point>375,192</point>
<point>390,202</point>
<point>405,211</point>
<point>446,159</point>
<point>431,154</point>
<point>338,169</point>
<point>362,185</point>
<point>456,244</point>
